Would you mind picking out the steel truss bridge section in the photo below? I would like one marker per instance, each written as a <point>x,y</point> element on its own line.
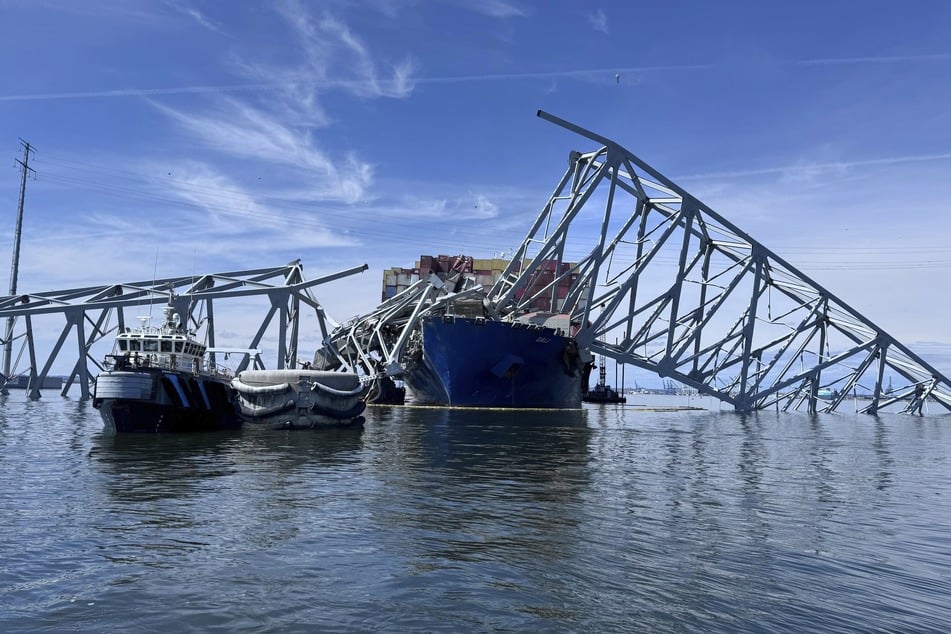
<point>374,344</point>
<point>666,284</point>
<point>89,314</point>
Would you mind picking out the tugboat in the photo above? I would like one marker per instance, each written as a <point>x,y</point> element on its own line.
<point>300,398</point>
<point>158,380</point>
<point>602,392</point>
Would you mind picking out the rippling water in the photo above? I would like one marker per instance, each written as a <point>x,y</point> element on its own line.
<point>607,519</point>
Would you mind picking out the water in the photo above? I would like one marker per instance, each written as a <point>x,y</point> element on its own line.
<point>609,519</point>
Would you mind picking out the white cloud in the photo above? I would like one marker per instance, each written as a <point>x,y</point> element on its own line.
<point>493,8</point>
<point>194,14</point>
<point>797,170</point>
<point>484,208</point>
<point>336,58</point>
<point>598,21</point>
<point>280,130</point>
<point>241,130</point>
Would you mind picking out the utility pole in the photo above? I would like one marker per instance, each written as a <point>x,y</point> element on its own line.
<point>25,170</point>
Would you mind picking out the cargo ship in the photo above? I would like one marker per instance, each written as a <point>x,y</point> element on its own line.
<point>476,362</point>
<point>435,334</point>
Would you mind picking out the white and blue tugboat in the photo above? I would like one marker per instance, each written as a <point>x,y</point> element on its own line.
<point>158,380</point>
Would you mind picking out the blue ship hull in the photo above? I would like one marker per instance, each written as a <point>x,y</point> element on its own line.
<point>479,363</point>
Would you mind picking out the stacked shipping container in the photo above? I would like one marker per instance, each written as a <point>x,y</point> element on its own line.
<point>483,271</point>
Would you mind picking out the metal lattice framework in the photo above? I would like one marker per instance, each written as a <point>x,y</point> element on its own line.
<point>669,285</point>
<point>373,344</point>
<point>89,313</point>
<point>658,280</point>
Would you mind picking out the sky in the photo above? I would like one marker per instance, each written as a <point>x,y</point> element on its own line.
<point>182,136</point>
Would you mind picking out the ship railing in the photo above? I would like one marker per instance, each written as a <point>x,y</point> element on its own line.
<point>166,362</point>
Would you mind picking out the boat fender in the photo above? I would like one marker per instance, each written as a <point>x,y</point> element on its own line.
<point>241,386</point>
<point>336,414</point>
<point>330,390</point>
<point>259,411</point>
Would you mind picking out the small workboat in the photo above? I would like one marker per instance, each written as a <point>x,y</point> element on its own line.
<point>602,392</point>
<point>159,380</point>
<point>300,398</point>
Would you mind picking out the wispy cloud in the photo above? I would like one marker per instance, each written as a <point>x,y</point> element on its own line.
<point>804,170</point>
<point>598,21</point>
<point>225,201</point>
<point>141,92</point>
<point>283,129</point>
<point>471,206</point>
<point>403,78</point>
<point>336,58</point>
<point>237,128</point>
<point>199,185</point>
<point>200,18</point>
<point>493,8</point>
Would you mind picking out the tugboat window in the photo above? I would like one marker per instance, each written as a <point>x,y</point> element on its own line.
<point>150,345</point>
<point>166,346</point>
<point>178,346</point>
<point>134,346</point>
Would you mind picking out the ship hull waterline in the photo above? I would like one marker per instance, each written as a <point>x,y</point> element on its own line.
<point>466,362</point>
<point>156,401</point>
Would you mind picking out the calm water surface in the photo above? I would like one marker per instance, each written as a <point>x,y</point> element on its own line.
<point>607,519</point>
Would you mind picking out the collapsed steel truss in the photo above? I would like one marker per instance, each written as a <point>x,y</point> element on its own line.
<point>89,311</point>
<point>374,344</point>
<point>681,291</point>
<point>660,281</point>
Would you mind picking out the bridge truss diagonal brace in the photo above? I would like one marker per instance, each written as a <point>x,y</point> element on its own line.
<point>685,293</point>
<point>193,298</point>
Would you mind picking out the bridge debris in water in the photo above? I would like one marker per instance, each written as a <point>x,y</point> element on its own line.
<point>649,276</point>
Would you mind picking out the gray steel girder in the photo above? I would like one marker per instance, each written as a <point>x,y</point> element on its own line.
<point>667,284</point>
<point>88,312</point>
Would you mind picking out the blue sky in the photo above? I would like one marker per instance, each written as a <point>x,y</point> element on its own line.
<point>188,136</point>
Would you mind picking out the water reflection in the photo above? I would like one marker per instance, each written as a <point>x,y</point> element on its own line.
<point>490,446</point>
<point>173,495</point>
<point>436,520</point>
<point>142,467</point>
<point>148,466</point>
<point>479,486</point>
<point>882,453</point>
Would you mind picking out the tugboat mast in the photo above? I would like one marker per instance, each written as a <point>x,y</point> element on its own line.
<point>25,169</point>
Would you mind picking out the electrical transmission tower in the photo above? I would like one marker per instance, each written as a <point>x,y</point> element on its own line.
<point>25,171</point>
